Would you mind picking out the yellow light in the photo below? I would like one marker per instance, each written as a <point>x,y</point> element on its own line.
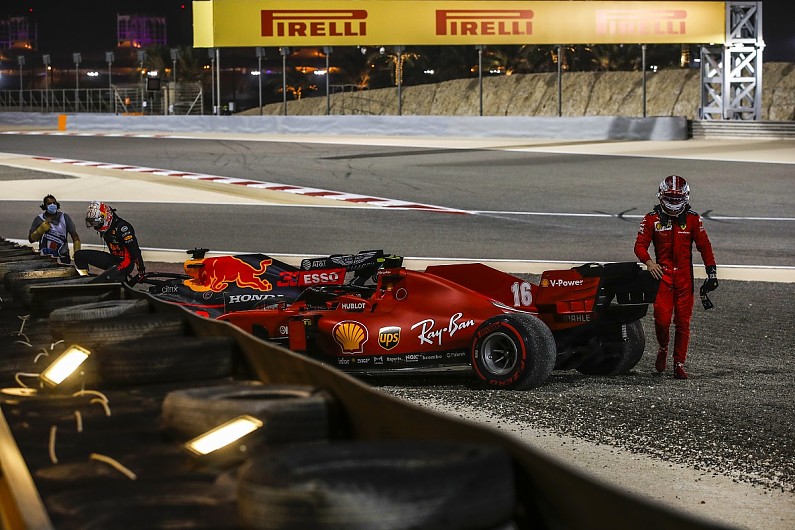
<point>64,365</point>
<point>223,435</point>
<point>19,392</point>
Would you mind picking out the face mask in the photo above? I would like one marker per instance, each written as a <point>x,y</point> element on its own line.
<point>52,208</point>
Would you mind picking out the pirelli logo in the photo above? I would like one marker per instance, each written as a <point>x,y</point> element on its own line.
<point>314,23</point>
<point>631,22</point>
<point>481,22</point>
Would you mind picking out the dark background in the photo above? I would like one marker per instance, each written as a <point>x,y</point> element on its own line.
<point>91,25</point>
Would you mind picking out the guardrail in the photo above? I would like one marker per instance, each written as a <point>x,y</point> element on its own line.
<point>741,129</point>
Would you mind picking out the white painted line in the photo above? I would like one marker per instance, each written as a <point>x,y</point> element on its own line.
<point>270,186</point>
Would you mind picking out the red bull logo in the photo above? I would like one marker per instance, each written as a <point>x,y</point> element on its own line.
<point>484,22</point>
<point>631,22</point>
<point>314,23</point>
<point>217,274</point>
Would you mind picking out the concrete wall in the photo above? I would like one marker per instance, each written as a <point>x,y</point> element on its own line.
<point>586,128</point>
<point>668,93</point>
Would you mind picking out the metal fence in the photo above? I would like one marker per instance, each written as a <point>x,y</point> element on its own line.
<point>184,99</point>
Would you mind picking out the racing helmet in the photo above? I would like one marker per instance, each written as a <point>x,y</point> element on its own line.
<point>674,194</point>
<point>99,216</point>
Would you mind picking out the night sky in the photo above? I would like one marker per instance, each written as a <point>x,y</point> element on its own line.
<point>90,25</point>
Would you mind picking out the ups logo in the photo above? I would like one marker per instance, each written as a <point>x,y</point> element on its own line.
<point>389,337</point>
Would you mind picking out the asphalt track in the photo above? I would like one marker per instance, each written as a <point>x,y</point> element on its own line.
<point>522,208</point>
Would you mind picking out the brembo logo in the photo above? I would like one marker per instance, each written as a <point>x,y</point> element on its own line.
<point>314,23</point>
<point>484,22</point>
<point>640,22</point>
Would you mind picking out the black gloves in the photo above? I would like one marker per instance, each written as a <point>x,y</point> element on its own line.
<point>711,283</point>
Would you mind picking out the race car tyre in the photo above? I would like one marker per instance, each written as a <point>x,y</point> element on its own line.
<point>620,358</point>
<point>25,265</point>
<point>26,297</point>
<point>62,318</point>
<point>153,514</point>
<point>110,330</point>
<point>45,307</point>
<point>378,484</point>
<point>164,360</point>
<point>14,362</point>
<point>513,351</point>
<point>12,279</point>
<point>13,255</point>
<point>82,500</point>
<point>290,412</point>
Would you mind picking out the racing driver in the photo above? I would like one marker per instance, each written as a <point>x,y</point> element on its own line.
<point>119,236</point>
<point>673,228</point>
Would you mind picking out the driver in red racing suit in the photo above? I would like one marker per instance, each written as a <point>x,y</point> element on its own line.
<point>673,228</point>
<point>119,236</point>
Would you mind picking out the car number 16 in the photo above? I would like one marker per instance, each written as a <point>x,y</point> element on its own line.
<point>522,295</point>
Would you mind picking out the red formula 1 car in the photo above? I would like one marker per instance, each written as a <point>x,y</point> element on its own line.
<point>510,332</point>
<point>212,286</point>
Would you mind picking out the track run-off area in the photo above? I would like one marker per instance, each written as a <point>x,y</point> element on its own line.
<point>522,208</point>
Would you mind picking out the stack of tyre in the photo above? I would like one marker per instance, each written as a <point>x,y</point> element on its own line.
<point>106,448</point>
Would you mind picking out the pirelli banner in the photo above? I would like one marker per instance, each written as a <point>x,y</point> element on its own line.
<point>226,23</point>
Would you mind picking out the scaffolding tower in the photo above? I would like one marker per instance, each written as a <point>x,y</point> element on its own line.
<point>18,32</point>
<point>140,31</point>
<point>731,76</point>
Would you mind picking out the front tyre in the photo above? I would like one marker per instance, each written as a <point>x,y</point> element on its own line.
<point>513,351</point>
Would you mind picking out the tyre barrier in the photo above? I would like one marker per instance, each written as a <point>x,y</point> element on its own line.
<point>378,484</point>
<point>62,318</point>
<point>291,413</point>
<point>106,451</point>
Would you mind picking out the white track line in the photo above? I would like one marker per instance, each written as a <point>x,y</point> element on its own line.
<point>350,198</point>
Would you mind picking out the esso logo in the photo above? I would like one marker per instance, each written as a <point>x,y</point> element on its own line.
<point>314,278</point>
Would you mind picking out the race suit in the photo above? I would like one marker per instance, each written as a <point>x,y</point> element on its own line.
<point>673,239</point>
<point>124,251</point>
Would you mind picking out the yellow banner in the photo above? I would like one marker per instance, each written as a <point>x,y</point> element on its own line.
<point>225,23</point>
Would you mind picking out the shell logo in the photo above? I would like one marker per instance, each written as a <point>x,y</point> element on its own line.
<point>350,335</point>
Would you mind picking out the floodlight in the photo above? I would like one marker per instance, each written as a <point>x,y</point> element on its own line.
<point>223,435</point>
<point>69,361</point>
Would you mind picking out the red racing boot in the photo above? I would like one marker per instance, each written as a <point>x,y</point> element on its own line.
<point>662,359</point>
<point>679,371</point>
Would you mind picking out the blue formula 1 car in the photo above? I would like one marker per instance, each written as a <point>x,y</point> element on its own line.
<point>213,286</point>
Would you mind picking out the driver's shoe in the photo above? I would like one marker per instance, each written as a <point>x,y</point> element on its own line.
<point>679,371</point>
<point>662,359</point>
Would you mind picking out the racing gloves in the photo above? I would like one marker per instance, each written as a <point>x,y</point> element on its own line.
<point>711,282</point>
<point>709,285</point>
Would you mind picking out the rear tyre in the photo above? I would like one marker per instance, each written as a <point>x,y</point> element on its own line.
<point>619,358</point>
<point>513,351</point>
